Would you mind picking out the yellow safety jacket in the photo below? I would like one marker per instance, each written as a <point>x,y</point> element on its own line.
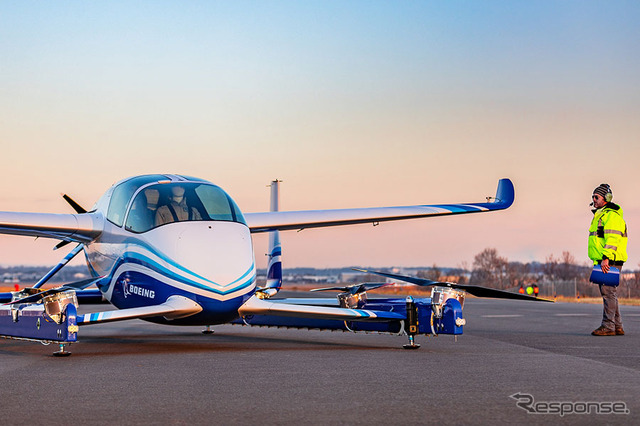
<point>608,235</point>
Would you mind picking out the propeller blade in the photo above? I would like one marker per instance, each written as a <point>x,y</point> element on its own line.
<point>329,289</point>
<point>474,290</point>
<point>78,285</point>
<point>413,280</point>
<point>82,284</point>
<point>35,297</point>
<point>354,288</point>
<point>61,244</point>
<point>77,207</point>
<point>480,291</point>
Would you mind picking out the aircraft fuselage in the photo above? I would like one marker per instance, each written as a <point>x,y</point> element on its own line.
<point>209,261</point>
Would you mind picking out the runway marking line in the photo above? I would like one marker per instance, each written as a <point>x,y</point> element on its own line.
<point>572,315</point>
<point>501,316</point>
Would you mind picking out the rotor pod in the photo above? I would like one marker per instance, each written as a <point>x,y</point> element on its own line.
<point>55,304</point>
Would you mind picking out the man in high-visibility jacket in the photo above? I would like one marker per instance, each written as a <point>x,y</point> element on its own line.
<point>608,247</point>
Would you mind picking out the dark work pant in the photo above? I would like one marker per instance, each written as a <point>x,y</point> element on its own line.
<point>610,313</point>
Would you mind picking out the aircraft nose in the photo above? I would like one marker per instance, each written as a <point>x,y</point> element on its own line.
<point>220,252</point>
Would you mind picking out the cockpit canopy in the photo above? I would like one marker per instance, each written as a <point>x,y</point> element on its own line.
<point>146,202</point>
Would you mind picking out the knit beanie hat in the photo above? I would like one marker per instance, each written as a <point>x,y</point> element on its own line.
<point>603,190</point>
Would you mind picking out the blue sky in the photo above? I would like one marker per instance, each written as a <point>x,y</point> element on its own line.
<point>352,104</point>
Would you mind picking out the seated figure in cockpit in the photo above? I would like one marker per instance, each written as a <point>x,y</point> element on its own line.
<point>177,210</point>
<point>141,216</point>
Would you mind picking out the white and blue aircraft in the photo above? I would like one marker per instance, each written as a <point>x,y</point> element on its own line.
<point>177,250</point>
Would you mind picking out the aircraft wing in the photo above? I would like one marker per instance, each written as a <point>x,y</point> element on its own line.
<point>174,308</point>
<point>285,220</point>
<point>80,228</point>
<point>284,308</point>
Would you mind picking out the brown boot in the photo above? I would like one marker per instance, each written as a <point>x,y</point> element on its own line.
<point>602,331</point>
<point>619,331</point>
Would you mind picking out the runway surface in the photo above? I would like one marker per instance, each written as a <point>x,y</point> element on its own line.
<point>142,373</point>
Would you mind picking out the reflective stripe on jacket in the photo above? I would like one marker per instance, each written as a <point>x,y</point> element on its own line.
<point>608,235</point>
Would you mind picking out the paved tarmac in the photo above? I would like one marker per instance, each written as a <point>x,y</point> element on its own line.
<point>135,372</point>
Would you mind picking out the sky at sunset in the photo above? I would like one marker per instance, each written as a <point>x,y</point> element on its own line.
<point>350,103</point>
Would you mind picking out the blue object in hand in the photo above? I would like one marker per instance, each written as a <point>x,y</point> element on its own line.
<point>611,278</point>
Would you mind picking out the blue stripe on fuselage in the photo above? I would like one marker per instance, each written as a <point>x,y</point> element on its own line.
<point>139,259</point>
<point>213,311</point>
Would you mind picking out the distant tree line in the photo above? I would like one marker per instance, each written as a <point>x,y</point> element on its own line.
<point>492,270</point>
<point>557,275</point>
<point>31,274</point>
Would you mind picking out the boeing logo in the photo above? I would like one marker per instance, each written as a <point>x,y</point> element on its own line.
<point>130,289</point>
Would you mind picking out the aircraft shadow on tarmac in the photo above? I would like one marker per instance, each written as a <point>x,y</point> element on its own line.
<point>193,342</point>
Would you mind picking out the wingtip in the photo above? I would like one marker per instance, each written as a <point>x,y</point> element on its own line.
<point>505,194</point>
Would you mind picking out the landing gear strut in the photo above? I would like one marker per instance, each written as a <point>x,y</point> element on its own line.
<point>207,330</point>
<point>412,344</point>
<point>62,351</point>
